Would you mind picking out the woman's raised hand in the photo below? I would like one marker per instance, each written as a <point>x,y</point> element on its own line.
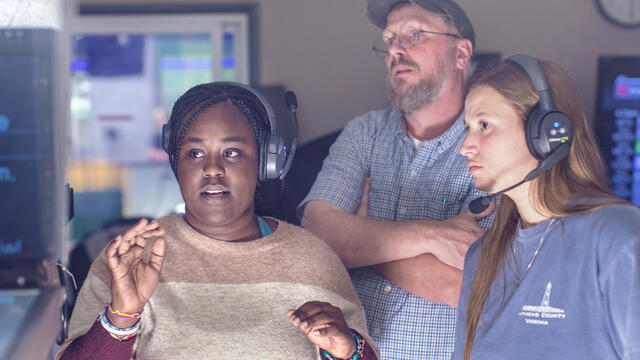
<point>134,281</point>
<point>325,326</point>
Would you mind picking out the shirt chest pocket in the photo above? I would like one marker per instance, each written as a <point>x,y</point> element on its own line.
<point>392,197</point>
<point>443,208</point>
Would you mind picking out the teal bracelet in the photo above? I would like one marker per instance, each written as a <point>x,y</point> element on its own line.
<point>359,349</point>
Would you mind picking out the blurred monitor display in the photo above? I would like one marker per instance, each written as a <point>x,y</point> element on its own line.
<point>127,70</point>
<point>28,210</point>
<point>617,123</point>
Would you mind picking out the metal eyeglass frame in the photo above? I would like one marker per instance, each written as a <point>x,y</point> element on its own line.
<point>407,43</point>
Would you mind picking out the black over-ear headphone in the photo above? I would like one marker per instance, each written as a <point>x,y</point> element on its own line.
<point>547,129</point>
<point>276,155</point>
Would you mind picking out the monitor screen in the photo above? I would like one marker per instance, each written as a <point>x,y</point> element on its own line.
<point>617,123</point>
<point>29,217</point>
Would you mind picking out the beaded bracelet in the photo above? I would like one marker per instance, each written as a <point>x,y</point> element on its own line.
<point>359,349</point>
<point>122,315</point>
<point>116,332</point>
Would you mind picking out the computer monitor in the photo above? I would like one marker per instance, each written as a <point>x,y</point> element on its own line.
<point>33,203</point>
<point>32,197</point>
<point>617,123</point>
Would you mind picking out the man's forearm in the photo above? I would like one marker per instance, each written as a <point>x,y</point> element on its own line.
<point>362,241</point>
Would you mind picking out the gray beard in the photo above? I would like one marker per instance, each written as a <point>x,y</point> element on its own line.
<point>415,97</point>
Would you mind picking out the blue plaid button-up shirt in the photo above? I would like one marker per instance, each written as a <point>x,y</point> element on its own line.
<point>431,183</point>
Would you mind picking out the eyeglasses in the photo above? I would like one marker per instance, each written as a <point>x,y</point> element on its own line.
<point>407,38</point>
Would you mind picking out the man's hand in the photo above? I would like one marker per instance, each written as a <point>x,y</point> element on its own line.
<point>133,280</point>
<point>454,236</point>
<point>325,326</point>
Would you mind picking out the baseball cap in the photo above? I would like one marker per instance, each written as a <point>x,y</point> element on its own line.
<point>377,11</point>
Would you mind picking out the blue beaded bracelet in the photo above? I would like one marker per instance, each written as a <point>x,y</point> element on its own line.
<point>359,349</point>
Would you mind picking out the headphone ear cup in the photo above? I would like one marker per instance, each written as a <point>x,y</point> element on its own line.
<point>555,130</point>
<point>275,156</point>
<point>532,133</point>
<point>546,131</point>
<point>166,137</point>
<point>264,159</point>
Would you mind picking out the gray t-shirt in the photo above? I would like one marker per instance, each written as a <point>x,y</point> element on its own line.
<point>579,300</point>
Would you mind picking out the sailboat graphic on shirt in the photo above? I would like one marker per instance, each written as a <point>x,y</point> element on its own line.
<point>544,305</point>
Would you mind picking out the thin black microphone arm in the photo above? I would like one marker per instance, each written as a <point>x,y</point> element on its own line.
<point>482,203</point>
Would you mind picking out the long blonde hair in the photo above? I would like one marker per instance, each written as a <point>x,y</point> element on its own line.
<point>581,174</point>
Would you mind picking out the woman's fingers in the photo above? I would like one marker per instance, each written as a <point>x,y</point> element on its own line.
<point>111,252</point>
<point>157,254</point>
<point>128,248</point>
<point>128,251</point>
<point>315,314</point>
<point>141,239</point>
<point>139,227</point>
<point>325,326</point>
<point>318,322</point>
<point>124,246</point>
<point>138,234</point>
<point>135,252</point>
<point>306,310</point>
<point>330,331</point>
<point>144,228</point>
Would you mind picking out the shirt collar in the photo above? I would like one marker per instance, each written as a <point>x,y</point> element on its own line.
<point>450,137</point>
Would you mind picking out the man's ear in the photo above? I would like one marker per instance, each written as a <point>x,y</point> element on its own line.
<point>464,50</point>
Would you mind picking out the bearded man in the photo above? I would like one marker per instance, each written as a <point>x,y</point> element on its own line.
<point>405,256</point>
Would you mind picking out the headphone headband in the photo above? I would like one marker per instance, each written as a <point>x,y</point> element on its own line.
<point>263,101</point>
<point>536,74</point>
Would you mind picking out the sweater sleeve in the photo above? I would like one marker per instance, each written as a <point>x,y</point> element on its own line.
<point>332,276</point>
<point>95,292</point>
<point>97,344</point>
<point>368,353</point>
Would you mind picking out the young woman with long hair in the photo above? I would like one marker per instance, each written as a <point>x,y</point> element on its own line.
<point>557,276</point>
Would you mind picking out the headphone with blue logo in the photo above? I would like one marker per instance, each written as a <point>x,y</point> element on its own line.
<point>548,130</point>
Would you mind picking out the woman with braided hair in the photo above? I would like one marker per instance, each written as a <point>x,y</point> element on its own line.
<point>218,282</point>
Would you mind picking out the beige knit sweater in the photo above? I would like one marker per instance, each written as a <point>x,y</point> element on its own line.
<point>228,300</point>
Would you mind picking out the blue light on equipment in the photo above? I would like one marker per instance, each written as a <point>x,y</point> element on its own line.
<point>555,124</point>
<point>229,63</point>
<point>4,123</point>
<point>80,65</point>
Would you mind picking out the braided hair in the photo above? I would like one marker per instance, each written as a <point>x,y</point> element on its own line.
<point>200,97</point>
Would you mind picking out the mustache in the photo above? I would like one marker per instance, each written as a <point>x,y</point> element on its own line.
<point>401,61</point>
